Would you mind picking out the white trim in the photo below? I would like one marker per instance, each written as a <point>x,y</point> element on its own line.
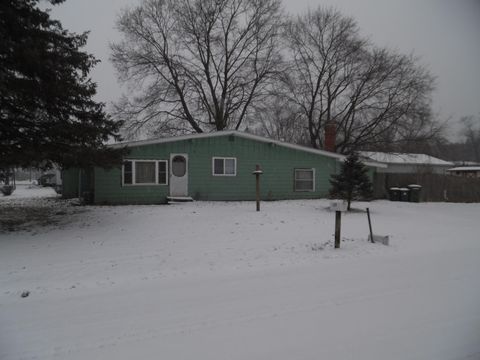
<point>224,158</point>
<point>295,179</point>
<point>156,183</point>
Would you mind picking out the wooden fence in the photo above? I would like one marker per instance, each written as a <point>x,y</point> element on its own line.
<point>434,187</point>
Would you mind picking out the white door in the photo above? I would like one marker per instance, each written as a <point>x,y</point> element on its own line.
<point>178,175</point>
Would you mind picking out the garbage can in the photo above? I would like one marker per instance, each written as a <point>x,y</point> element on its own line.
<point>404,194</point>
<point>414,193</point>
<point>394,194</point>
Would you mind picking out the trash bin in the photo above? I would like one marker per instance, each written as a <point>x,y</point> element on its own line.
<point>414,193</point>
<point>404,194</point>
<point>394,194</point>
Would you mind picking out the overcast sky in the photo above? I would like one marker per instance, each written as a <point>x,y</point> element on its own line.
<point>445,34</point>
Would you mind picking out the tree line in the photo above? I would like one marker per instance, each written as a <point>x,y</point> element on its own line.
<point>207,65</point>
<point>211,65</point>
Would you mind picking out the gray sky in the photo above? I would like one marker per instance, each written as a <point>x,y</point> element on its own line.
<point>445,34</point>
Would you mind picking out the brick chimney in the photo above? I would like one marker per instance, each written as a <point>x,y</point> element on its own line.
<point>330,135</point>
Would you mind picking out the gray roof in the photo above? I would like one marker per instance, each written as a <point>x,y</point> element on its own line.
<point>240,134</point>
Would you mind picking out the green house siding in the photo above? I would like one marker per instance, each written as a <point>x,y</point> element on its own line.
<point>70,183</point>
<point>77,182</point>
<point>277,162</point>
<point>371,173</point>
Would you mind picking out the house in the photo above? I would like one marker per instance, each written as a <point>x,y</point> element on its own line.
<point>465,171</point>
<point>213,166</point>
<point>405,163</point>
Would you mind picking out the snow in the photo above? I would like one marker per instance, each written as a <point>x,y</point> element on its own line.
<point>27,190</point>
<point>404,158</point>
<point>207,280</point>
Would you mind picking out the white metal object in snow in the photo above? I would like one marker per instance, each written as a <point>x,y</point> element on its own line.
<point>383,239</point>
<point>375,238</point>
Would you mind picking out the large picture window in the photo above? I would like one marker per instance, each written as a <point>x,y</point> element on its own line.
<point>224,166</point>
<point>145,172</point>
<point>304,180</point>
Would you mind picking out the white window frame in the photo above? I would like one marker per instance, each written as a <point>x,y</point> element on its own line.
<point>156,183</point>
<point>295,180</point>
<point>224,158</point>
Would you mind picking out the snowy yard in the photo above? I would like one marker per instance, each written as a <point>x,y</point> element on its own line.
<point>219,281</point>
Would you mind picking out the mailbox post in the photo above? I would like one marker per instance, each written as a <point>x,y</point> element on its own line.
<point>339,207</point>
<point>257,174</point>
<point>338,225</point>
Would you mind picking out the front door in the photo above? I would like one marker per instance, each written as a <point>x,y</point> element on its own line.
<point>178,175</point>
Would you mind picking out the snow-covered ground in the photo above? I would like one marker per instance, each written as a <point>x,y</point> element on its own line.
<point>212,281</point>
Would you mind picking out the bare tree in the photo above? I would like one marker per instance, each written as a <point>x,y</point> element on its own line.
<point>275,118</point>
<point>417,133</point>
<point>320,44</point>
<point>471,133</point>
<point>195,65</point>
<point>338,77</point>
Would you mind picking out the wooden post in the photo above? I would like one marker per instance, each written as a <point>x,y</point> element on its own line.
<point>257,174</point>
<point>338,225</point>
<point>370,226</point>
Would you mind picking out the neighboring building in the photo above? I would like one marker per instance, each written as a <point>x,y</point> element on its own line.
<point>465,163</point>
<point>214,166</point>
<point>465,171</point>
<point>52,178</point>
<point>399,163</point>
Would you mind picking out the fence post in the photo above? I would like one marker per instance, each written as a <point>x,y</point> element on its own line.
<point>370,225</point>
<point>338,225</point>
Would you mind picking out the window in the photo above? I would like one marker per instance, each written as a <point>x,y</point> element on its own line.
<point>162,172</point>
<point>304,180</point>
<point>145,172</point>
<point>179,166</point>
<point>224,166</point>
<point>128,172</point>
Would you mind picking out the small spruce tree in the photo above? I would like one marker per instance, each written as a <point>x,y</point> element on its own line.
<point>352,182</point>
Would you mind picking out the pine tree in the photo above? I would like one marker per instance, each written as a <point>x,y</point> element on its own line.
<point>47,111</point>
<point>352,182</point>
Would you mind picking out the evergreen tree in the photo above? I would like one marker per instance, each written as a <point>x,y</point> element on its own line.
<point>352,182</point>
<point>47,111</point>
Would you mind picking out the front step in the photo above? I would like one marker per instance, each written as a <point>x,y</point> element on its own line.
<point>178,199</point>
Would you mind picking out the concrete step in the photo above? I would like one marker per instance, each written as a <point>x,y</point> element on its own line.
<point>178,199</point>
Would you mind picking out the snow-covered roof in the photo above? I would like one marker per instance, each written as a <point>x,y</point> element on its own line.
<point>241,134</point>
<point>404,158</point>
<point>466,163</point>
<point>465,168</point>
